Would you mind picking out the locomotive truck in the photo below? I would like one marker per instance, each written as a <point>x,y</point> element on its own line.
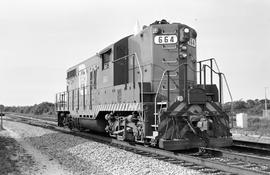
<point>148,88</point>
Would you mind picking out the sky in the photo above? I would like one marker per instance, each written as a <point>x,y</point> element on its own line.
<point>41,39</point>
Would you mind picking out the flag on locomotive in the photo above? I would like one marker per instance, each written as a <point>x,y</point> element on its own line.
<point>148,88</point>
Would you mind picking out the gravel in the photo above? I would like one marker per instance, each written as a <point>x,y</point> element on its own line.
<point>82,156</point>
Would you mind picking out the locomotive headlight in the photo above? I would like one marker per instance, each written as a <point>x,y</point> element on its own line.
<point>179,98</point>
<point>185,34</point>
<point>186,30</point>
<point>183,55</point>
<point>156,30</point>
<point>184,48</point>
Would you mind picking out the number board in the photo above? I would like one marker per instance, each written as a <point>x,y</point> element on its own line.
<point>192,42</point>
<point>165,39</point>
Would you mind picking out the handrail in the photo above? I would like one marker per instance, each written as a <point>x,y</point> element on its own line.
<point>157,92</point>
<point>212,69</point>
<point>226,82</point>
<point>209,59</point>
<point>216,64</point>
<point>126,56</point>
<point>211,65</point>
<point>60,101</point>
<point>220,80</point>
<point>229,91</point>
<point>141,73</point>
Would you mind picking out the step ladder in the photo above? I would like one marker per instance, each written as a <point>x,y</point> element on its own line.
<point>162,106</point>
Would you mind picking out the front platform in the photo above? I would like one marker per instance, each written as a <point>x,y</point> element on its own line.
<point>183,144</point>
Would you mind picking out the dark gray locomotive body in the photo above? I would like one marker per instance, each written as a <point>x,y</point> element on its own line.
<point>144,88</point>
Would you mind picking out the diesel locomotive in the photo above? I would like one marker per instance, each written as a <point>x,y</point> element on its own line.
<point>148,88</point>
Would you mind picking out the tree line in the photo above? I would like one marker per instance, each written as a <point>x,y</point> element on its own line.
<point>37,109</point>
<point>251,107</point>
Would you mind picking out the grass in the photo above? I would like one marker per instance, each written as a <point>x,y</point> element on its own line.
<point>43,116</point>
<point>256,125</point>
<point>259,125</point>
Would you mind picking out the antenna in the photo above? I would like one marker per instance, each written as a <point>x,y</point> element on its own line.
<point>137,27</point>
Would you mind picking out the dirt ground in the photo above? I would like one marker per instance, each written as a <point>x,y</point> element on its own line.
<point>19,157</point>
<point>13,157</point>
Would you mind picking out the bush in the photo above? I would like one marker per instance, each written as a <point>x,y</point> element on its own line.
<point>259,125</point>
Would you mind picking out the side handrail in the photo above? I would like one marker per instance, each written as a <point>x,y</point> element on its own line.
<point>157,92</point>
<point>229,91</point>
<point>60,101</point>
<point>209,59</point>
<point>141,73</point>
<point>226,82</point>
<point>216,64</point>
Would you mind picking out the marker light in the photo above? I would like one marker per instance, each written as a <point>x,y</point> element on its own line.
<point>156,30</point>
<point>186,30</point>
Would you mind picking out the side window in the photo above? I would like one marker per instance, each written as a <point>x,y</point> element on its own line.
<point>106,59</point>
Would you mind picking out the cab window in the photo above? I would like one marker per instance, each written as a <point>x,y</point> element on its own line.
<point>106,59</point>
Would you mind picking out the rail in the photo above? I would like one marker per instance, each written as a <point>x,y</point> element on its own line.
<point>235,155</point>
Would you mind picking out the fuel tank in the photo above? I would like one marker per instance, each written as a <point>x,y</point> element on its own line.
<point>94,125</point>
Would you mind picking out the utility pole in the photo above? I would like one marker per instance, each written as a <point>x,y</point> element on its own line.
<point>1,114</point>
<point>1,127</point>
<point>265,103</point>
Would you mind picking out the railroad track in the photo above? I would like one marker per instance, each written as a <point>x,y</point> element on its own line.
<point>208,160</point>
<point>249,160</point>
<point>263,147</point>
